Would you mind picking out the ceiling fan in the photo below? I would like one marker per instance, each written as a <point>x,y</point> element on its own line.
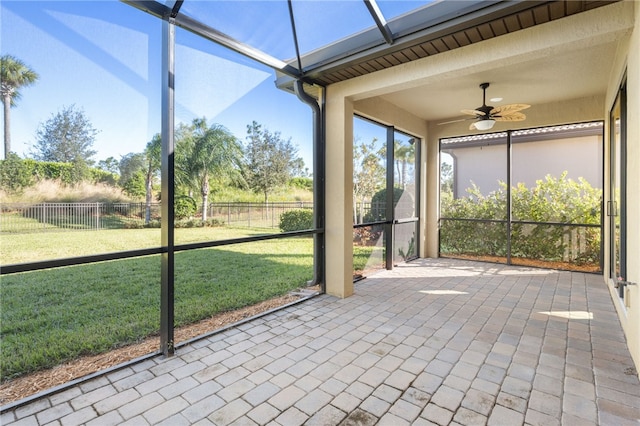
<point>486,115</point>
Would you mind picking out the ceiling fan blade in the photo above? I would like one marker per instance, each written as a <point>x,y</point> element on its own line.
<point>473,126</point>
<point>472,112</point>
<point>508,109</point>
<point>515,116</point>
<point>456,121</point>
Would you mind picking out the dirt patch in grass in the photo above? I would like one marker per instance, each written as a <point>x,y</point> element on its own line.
<point>30,384</point>
<point>537,263</point>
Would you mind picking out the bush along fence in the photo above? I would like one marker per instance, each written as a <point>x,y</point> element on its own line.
<point>558,220</point>
<point>577,244</point>
<point>254,215</point>
<point>43,217</point>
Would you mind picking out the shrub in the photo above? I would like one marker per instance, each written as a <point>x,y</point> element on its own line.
<point>553,200</point>
<point>102,176</point>
<point>136,225</point>
<point>296,220</point>
<point>15,175</point>
<point>213,222</point>
<point>367,235</point>
<point>184,207</point>
<point>302,183</point>
<point>378,203</point>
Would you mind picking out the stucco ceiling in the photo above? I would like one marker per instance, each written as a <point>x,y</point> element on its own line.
<point>571,75</point>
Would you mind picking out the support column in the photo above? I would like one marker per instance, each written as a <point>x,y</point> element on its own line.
<point>431,194</point>
<point>339,195</point>
<point>167,191</point>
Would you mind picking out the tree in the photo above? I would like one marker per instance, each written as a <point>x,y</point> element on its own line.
<point>110,165</point>
<point>298,168</point>
<point>129,166</point>
<point>271,160</point>
<point>446,177</point>
<point>204,153</point>
<point>14,74</point>
<point>404,155</point>
<point>368,174</point>
<point>153,158</point>
<point>67,137</point>
<point>135,185</point>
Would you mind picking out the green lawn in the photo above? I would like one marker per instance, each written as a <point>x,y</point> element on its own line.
<point>52,316</point>
<point>32,247</point>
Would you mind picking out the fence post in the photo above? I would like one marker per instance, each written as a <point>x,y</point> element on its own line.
<point>97,216</point>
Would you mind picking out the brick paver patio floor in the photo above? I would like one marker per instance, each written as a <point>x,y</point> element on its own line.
<point>435,341</point>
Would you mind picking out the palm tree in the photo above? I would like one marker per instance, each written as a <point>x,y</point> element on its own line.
<point>14,74</point>
<point>208,152</point>
<point>404,155</point>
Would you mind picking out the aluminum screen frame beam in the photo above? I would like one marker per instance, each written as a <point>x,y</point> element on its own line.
<point>389,202</point>
<point>163,12</point>
<point>380,20</point>
<point>167,171</point>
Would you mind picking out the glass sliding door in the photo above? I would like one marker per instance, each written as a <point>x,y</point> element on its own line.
<point>616,205</point>
<point>405,188</point>
<point>385,196</point>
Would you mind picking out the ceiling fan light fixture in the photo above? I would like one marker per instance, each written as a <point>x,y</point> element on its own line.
<point>485,124</point>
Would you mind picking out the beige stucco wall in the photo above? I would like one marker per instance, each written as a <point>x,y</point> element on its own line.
<point>486,166</point>
<point>339,195</point>
<point>361,95</point>
<point>628,60</point>
<point>633,190</point>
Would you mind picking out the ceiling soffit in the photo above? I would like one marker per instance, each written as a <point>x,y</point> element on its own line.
<point>458,32</point>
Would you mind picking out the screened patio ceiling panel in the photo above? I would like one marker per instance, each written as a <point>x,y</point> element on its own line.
<point>312,40</point>
<point>268,27</point>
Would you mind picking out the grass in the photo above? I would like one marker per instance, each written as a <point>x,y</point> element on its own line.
<point>33,247</point>
<point>53,316</point>
<point>367,258</point>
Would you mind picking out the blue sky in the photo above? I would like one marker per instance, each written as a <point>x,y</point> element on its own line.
<point>104,58</point>
<point>110,68</point>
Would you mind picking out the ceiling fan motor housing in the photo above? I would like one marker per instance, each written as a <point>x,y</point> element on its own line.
<point>485,109</point>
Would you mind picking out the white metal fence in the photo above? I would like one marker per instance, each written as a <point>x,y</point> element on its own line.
<point>22,218</point>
